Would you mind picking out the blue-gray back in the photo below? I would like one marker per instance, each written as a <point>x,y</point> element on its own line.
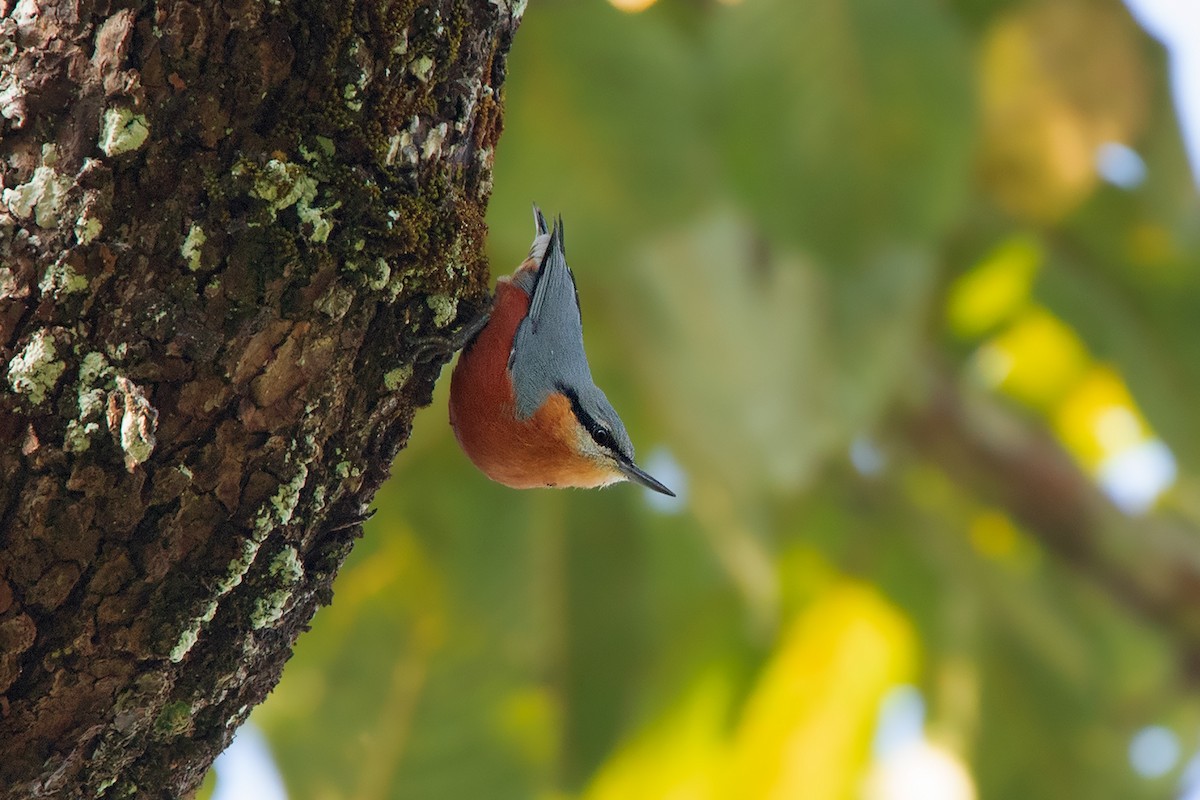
<point>548,354</point>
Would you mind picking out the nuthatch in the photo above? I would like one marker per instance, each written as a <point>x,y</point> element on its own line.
<point>523,404</point>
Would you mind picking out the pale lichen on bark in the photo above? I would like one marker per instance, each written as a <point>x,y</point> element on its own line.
<point>223,229</point>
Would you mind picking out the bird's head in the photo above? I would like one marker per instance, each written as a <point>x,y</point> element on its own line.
<point>597,436</point>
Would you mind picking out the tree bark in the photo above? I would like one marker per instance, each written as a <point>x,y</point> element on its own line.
<point>225,229</point>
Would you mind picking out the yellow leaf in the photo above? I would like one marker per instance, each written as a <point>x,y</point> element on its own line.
<point>1040,358</point>
<point>677,757</point>
<point>806,728</point>
<point>995,289</point>
<point>1099,417</point>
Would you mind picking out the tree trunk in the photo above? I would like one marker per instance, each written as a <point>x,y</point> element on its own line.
<point>225,229</point>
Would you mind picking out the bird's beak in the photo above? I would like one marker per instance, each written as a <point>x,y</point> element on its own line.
<point>636,474</point>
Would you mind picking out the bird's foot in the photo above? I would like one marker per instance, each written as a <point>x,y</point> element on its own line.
<point>349,521</point>
<point>440,348</point>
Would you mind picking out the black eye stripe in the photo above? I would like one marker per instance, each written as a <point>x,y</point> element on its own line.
<point>600,434</point>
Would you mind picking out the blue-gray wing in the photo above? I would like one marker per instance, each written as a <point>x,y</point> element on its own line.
<point>548,346</point>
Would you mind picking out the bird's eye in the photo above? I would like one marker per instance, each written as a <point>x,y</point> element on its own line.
<point>603,437</point>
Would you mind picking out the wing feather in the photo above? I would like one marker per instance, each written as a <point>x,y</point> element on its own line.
<point>548,346</point>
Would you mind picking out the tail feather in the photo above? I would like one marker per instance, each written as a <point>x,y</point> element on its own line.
<point>541,237</point>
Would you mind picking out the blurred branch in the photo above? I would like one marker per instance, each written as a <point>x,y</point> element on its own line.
<point>1151,564</point>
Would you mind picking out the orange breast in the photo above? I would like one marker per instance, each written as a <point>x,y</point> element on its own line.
<point>525,454</point>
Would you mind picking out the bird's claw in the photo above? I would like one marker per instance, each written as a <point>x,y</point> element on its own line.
<point>435,348</point>
<point>351,521</point>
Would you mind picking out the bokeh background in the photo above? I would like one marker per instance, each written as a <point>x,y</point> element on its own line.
<point>838,260</point>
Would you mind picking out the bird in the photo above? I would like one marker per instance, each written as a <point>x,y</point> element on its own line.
<point>523,404</point>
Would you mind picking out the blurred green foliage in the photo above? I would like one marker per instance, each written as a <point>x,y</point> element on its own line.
<point>782,215</point>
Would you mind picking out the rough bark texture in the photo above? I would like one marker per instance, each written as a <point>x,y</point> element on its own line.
<point>224,229</point>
